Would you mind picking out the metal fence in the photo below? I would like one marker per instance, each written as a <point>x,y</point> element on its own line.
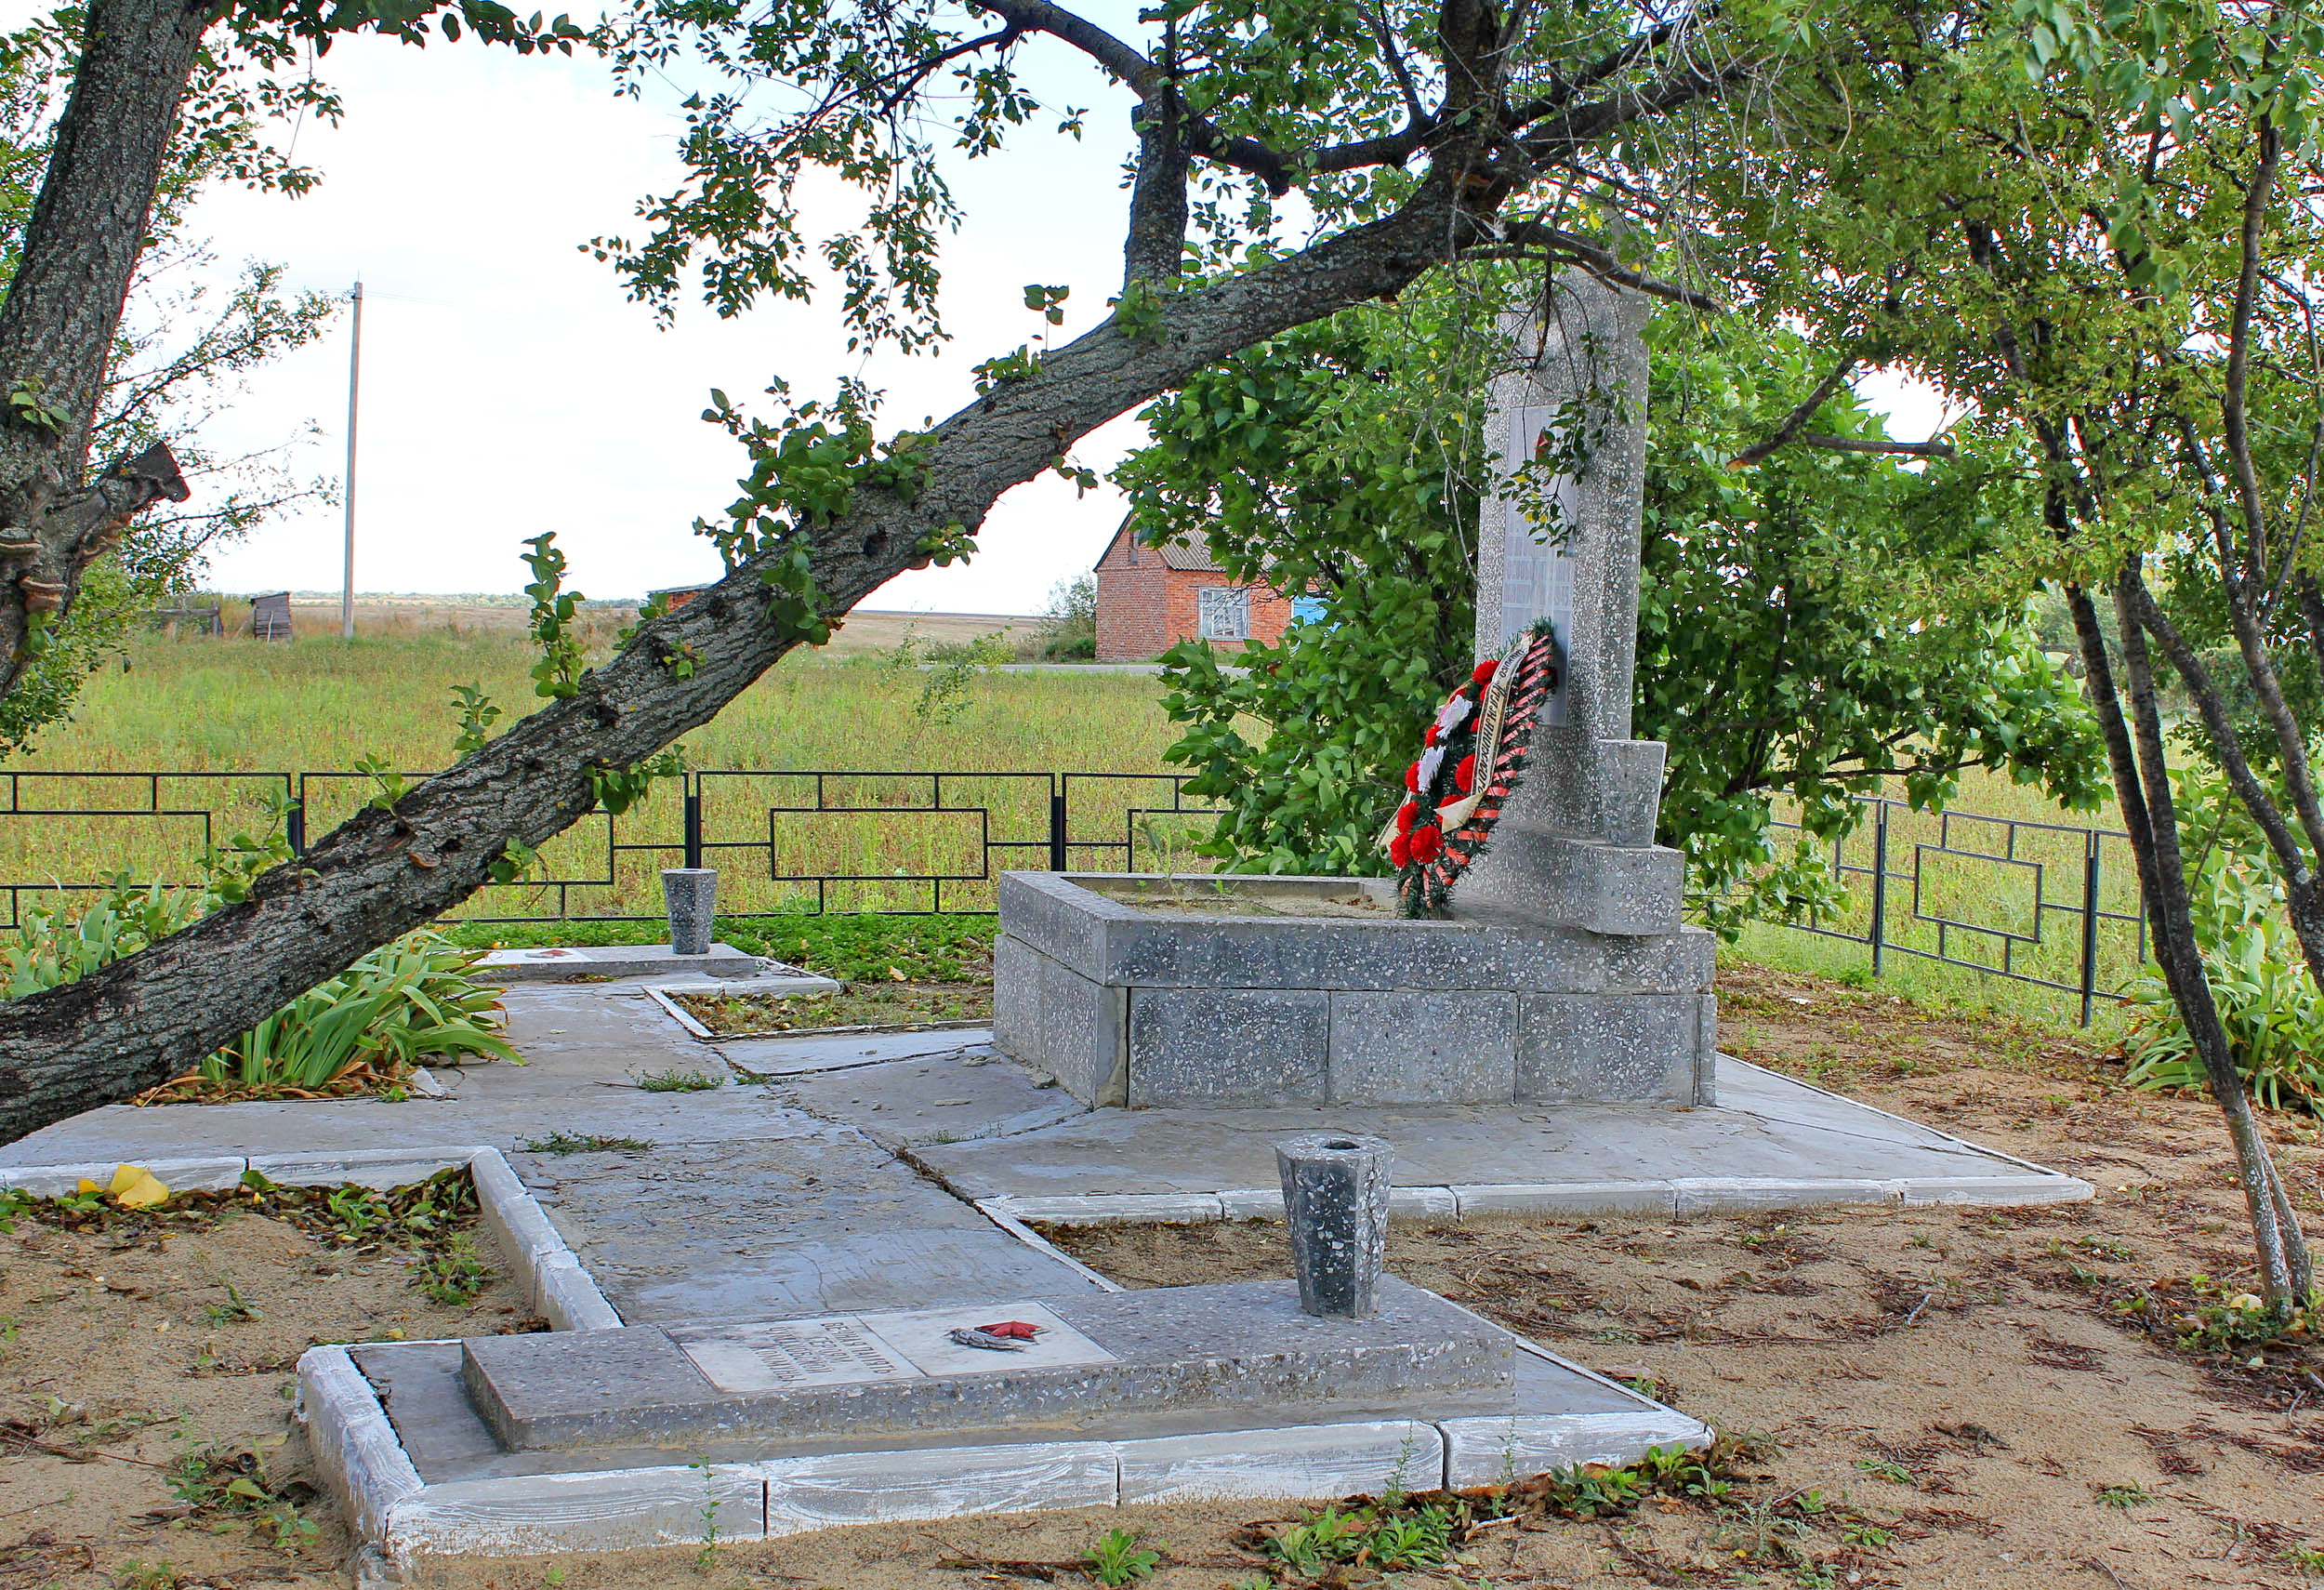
<point>812,840</point>
<point>2035,902</point>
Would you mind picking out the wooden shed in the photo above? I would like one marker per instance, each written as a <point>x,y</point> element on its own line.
<point>1151,598</point>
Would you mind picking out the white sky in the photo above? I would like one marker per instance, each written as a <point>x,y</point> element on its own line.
<point>509,387</point>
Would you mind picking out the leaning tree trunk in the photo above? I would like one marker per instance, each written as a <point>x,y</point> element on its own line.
<point>63,308</point>
<point>2143,792</point>
<point>144,1019</point>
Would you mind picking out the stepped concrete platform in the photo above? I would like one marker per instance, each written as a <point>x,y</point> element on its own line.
<point>1090,1358</point>
<point>863,1174</point>
<point>419,1469</point>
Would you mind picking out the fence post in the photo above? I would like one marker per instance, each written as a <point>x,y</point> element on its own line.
<point>2089,922</point>
<point>294,820</point>
<point>1880,883</point>
<point>1057,821</point>
<point>694,822</point>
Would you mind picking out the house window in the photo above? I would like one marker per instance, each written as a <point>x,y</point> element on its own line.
<point>1222,612</point>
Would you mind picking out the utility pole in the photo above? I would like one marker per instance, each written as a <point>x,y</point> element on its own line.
<point>354,375</point>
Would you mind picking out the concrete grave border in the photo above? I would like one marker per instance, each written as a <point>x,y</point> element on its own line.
<point>404,1519</point>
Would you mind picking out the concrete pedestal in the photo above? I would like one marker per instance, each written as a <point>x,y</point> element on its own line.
<point>1195,1003</point>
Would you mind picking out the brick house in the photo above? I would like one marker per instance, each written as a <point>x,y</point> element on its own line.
<point>1151,598</point>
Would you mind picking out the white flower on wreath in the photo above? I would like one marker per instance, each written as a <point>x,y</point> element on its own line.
<point>1431,759</point>
<point>1452,714</point>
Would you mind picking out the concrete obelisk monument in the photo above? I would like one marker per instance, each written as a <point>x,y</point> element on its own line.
<point>1575,843</point>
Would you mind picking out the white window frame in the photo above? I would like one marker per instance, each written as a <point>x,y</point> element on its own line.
<point>1209,599</point>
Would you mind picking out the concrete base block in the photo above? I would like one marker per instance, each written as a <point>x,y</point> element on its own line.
<point>871,1487</point>
<point>1177,998</point>
<point>1313,1460</point>
<point>605,1511</point>
<point>1499,1450</point>
<point>1734,1195</point>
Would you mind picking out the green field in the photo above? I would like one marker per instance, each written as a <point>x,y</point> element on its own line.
<point>202,708</point>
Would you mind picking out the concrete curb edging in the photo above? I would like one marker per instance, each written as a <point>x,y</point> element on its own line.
<point>618,1509</point>
<point>558,1288</point>
<point>1672,1198</point>
<point>355,1448</point>
<point>553,1281</point>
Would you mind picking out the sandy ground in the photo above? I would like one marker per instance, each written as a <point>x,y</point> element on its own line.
<point>125,1359</point>
<point>1929,1398</point>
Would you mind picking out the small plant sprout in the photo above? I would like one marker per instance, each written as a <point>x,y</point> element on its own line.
<point>707,1557</point>
<point>677,1081</point>
<point>1886,1468</point>
<point>1118,1560</point>
<point>2124,1496</point>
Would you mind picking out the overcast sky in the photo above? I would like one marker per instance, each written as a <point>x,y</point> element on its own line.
<point>507,386</point>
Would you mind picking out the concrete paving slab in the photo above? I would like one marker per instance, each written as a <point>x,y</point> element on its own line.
<point>1770,1143</point>
<point>821,1222</point>
<point>933,1099</point>
<point>1327,1459</point>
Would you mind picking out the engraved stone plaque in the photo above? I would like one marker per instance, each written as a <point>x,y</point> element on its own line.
<point>791,1353</point>
<point>846,1349</point>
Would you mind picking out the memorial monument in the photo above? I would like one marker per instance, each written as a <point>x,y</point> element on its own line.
<point>1550,963</point>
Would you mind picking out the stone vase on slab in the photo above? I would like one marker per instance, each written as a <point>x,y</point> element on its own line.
<point>1335,1201</point>
<point>691,894</point>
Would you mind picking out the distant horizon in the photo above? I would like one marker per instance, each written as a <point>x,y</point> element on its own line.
<point>516,599</point>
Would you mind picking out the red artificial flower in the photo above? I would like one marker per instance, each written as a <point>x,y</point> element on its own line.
<point>1427,843</point>
<point>1429,738</point>
<point>1400,852</point>
<point>1483,672</point>
<point>1412,778</point>
<point>1465,775</point>
<point>1406,815</point>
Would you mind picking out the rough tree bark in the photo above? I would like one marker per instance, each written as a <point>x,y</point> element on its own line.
<point>142,1020</point>
<point>63,307</point>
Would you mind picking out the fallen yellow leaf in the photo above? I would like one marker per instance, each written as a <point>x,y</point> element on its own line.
<point>88,1185</point>
<point>895,975</point>
<point>142,1193</point>
<point>125,1177</point>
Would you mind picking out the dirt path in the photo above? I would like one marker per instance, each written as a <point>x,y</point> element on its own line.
<point>1928,1398</point>
<point>146,1377</point>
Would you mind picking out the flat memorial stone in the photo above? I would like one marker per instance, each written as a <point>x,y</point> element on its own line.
<point>1166,1350</point>
<point>617,960</point>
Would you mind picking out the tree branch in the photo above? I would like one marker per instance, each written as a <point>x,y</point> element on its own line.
<point>1797,417</point>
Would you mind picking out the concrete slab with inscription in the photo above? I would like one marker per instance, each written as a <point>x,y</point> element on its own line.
<point>1095,1356</point>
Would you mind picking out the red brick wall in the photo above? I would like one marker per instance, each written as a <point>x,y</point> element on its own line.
<point>1147,607</point>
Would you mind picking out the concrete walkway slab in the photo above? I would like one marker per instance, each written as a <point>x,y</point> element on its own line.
<point>1770,1143</point>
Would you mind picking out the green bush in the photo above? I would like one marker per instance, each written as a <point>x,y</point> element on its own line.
<point>2268,1002</point>
<point>407,1003</point>
<point>53,945</point>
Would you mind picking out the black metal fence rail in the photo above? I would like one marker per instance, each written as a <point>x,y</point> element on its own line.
<point>2042,903</point>
<point>2035,902</point>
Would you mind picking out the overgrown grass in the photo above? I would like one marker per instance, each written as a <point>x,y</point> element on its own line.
<point>233,711</point>
<point>230,705</point>
<point>852,948</point>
